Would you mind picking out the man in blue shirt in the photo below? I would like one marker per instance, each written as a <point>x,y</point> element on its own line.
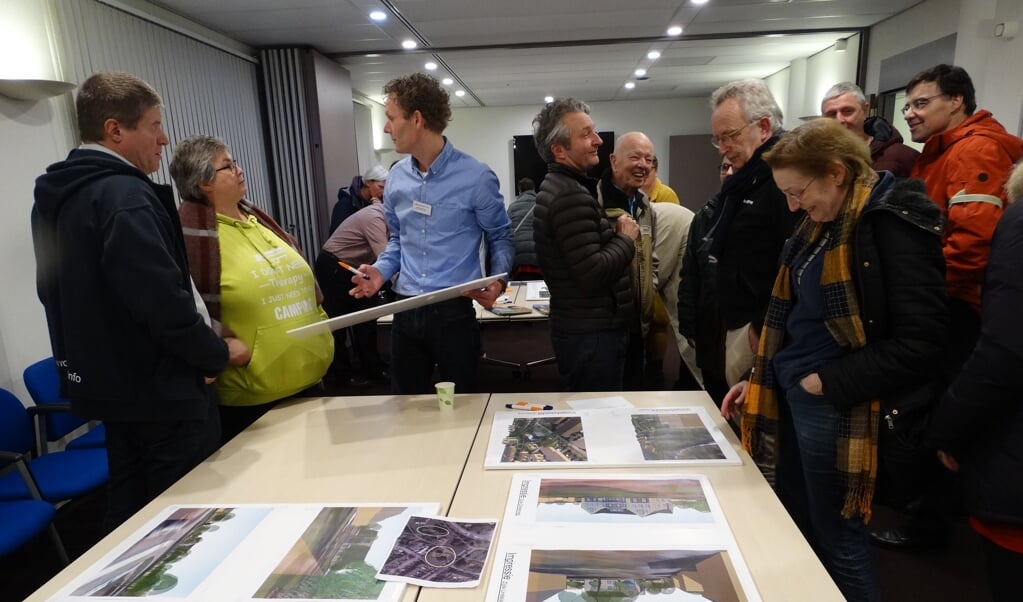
<point>441,206</point>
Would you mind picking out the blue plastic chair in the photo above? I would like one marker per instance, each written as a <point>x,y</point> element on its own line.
<point>59,476</point>
<point>43,383</point>
<point>21,520</point>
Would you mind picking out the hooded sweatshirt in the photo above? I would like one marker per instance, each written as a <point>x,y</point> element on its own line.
<point>965,169</point>
<point>112,275</point>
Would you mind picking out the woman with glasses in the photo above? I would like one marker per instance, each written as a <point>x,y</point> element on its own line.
<point>255,283</point>
<point>852,342</point>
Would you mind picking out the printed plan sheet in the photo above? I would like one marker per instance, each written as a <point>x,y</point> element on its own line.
<point>655,538</point>
<point>606,437</point>
<point>253,552</point>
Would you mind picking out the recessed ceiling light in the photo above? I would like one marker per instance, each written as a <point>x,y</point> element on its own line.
<point>699,2</point>
<point>653,55</point>
<point>447,81</point>
<point>408,44</point>
<point>629,85</point>
<point>378,15</point>
<point>430,66</point>
<point>674,30</point>
<point>459,93</point>
<point>775,35</point>
<point>640,72</point>
<point>372,56</point>
<point>548,99</point>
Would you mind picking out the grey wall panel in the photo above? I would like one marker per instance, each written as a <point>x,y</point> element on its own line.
<point>205,90</point>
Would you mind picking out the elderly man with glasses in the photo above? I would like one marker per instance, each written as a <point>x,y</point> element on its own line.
<point>733,250</point>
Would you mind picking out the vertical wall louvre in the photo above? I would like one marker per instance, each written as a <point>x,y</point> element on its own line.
<point>220,99</point>
<point>285,92</point>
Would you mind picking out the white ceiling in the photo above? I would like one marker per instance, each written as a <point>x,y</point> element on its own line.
<point>514,52</point>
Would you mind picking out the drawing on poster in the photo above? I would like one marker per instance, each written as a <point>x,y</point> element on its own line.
<point>250,552</point>
<point>627,501</point>
<point>332,560</point>
<point>177,555</point>
<point>545,439</point>
<point>440,552</point>
<point>583,575</point>
<point>561,439</point>
<point>681,436</point>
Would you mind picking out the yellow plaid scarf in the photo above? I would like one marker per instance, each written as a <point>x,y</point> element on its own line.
<point>857,443</point>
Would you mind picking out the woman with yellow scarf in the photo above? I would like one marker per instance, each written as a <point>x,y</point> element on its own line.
<point>850,344</point>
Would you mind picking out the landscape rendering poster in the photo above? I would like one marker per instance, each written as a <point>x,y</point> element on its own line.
<point>607,437</point>
<point>438,552</point>
<point>580,537</point>
<point>253,552</point>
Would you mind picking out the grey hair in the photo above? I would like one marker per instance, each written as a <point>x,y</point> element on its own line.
<point>755,101</point>
<point>1014,187</point>
<point>844,88</point>
<point>192,164</point>
<point>548,128</point>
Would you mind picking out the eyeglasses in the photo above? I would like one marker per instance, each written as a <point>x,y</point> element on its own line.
<point>728,137</point>
<point>725,167</point>
<point>919,104</point>
<point>798,196</point>
<point>234,166</point>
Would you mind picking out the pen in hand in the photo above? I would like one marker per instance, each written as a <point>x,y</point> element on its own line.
<point>353,270</point>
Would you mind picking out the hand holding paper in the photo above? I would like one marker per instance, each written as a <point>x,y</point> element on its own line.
<point>487,296</point>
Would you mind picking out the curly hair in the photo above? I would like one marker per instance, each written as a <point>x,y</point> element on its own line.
<point>815,145</point>
<point>112,95</point>
<point>420,92</point>
<point>548,128</point>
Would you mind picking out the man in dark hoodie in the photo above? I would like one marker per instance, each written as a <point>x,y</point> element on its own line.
<point>846,103</point>
<point>362,192</point>
<point>129,333</point>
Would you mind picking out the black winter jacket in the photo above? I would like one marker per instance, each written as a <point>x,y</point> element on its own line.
<point>584,262</point>
<point>899,274</point>
<point>979,421</point>
<point>729,266</point>
<point>521,214</point>
<point>113,278</point>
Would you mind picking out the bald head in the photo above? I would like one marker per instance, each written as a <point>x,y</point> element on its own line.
<point>632,161</point>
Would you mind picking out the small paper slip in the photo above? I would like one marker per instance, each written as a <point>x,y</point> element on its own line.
<point>536,290</point>
<point>434,551</point>
<point>509,310</point>
<point>600,403</point>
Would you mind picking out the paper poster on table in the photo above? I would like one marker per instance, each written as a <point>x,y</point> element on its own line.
<point>365,315</point>
<point>434,551</point>
<point>253,552</point>
<point>608,437</point>
<point>622,537</point>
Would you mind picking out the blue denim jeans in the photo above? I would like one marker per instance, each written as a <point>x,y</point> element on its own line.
<point>811,489</point>
<point>444,334</point>
<point>592,361</point>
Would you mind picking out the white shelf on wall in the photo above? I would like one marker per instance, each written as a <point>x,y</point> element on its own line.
<point>33,89</point>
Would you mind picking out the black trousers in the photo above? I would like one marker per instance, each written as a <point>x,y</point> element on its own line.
<point>335,282</point>
<point>445,335</point>
<point>145,458</point>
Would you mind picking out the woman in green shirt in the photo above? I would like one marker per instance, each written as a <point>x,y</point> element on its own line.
<point>254,280</point>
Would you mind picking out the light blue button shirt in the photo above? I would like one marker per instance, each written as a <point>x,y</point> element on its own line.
<point>437,222</point>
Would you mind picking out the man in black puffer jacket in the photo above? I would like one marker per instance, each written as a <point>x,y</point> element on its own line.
<point>584,259</point>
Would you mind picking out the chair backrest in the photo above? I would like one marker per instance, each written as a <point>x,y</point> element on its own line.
<point>16,434</point>
<point>43,383</point>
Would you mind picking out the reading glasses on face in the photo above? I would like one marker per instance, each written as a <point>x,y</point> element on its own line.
<point>919,104</point>
<point>728,137</point>
<point>234,166</point>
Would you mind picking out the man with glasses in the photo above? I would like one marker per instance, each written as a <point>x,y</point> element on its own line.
<point>966,160</point>
<point>845,103</point>
<point>732,257</point>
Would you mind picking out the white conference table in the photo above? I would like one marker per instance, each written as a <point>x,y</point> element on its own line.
<point>780,560</point>
<point>323,450</point>
<point>404,449</point>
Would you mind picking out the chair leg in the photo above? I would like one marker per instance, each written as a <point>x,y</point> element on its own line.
<point>61,552</point>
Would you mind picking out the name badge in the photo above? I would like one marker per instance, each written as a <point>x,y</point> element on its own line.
<point>645,231</point>
<point>421,207</point>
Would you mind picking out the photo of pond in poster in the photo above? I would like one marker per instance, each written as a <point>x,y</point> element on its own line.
<point>623,501</point>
